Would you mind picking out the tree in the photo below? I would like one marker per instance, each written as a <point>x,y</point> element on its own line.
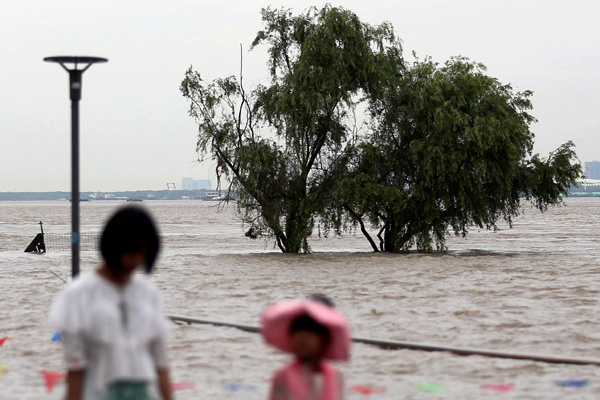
<point>443,147</point>
<point>450,148</point>
<point>277,144</point>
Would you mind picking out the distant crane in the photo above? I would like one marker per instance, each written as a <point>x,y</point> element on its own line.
<point>171,186</point>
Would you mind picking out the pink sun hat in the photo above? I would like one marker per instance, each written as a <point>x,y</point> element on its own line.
<point>276,322</point>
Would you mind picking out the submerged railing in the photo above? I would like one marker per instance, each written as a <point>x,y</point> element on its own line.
<point>396,345</point>
<point>62,241</point>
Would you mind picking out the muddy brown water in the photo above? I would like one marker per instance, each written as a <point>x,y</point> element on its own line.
<point>533,288</point>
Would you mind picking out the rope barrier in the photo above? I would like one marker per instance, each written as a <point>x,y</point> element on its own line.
<point>389,344</point>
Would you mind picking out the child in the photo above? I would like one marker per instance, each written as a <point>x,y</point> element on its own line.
<point>111,321</point>
<point>313,332</point>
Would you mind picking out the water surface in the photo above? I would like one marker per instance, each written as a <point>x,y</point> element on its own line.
<point>533,288</point>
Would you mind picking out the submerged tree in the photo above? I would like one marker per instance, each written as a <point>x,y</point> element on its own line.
<point>450,148</point>
<point>277,144</point>
<point>444,147</point>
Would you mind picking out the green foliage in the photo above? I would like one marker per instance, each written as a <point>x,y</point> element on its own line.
<point>450,149</point>
<point>441,148</point>
<point>277,143</point>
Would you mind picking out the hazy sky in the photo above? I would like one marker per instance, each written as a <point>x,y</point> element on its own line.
<point>135,130</point>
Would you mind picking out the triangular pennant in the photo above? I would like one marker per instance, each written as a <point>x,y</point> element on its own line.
<point>498,387</point>
<point>52,378</point>
<point>4,339</point>
<point>432,388</point>
<point>367,390</point>
<point>572,383</point>
<point>3,369</point>
<point>183,385</point>
<point>235,387</point>
<point>57,337</point>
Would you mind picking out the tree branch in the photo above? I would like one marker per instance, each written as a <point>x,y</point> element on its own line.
<point>381,241</point>
<point>362,227</point>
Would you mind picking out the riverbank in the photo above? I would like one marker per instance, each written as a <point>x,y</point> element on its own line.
<point>589,191</point>
<point>93,196</point>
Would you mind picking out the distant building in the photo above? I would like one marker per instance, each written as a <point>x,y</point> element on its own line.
<point>592,169</point>
<point>195,184</point>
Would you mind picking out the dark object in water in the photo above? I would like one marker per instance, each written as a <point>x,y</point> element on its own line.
<point>37,245</point>
<point>321,298</point>
<point>134,199</point>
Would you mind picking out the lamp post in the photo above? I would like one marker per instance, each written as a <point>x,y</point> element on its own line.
<point>78,65</point>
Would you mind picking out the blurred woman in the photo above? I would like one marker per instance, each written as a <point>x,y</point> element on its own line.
<point>111,322</point>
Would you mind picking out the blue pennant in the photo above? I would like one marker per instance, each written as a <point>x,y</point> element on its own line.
<point>239,388</point>
<point>572,383</point>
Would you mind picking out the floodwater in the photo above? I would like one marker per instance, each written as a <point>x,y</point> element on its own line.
<point>531,289</point>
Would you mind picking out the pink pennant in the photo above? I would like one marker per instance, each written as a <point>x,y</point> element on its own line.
<point>4,339</point>
<point>499,387</point>
<point>52,378</point>
<point>367,390</point>
<point>183,385</point>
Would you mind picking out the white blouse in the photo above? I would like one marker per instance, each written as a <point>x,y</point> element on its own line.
<point>113,333</point>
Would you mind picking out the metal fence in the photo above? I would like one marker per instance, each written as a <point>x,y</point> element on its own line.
<point>62,241</point>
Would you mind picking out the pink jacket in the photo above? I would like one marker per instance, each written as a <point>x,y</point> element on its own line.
<point>294,382</point>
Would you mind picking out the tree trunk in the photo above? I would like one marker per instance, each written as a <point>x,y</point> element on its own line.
<point>363,229</point>
<point>396,235</point>
<point>297,227</point>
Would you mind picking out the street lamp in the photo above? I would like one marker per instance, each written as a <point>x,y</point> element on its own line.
<point>78,66</point>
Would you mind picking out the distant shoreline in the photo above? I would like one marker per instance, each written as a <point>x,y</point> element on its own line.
<point>103,196</point>
<point>171,195</point>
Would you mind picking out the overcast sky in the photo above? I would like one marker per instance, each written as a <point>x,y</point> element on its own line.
<point>135,130</point>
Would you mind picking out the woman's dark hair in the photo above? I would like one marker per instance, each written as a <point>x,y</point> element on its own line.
<point>306,323</point>
<point>128,230</point>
